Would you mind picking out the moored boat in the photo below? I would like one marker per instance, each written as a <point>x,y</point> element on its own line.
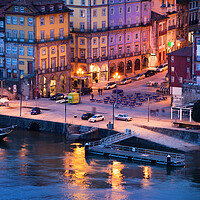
<point>4,132</point>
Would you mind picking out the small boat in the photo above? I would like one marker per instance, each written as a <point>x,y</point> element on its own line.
<point>4,132</point>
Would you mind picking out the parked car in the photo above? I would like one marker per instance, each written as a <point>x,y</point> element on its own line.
<point>124,117</point>
<point>125,81</point>
<point>138,77</point>
<point>87,116</point>
<point>35,111</point>
<point>110,85</point>
<point>85,91</point>
<point>162,67</point>
<point>150,73</point>
<point>96,118</point>
<point>57,96</point>
<point>65,100</point>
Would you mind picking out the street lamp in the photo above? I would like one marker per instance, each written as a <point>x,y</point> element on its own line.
<point>116,77</point>
<point>80,72</point>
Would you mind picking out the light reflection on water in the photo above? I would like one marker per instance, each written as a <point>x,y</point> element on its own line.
<point>35,165</point>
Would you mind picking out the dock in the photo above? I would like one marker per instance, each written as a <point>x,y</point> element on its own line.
<point>137,154</point>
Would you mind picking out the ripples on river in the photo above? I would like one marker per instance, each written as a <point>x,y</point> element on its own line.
<point>43,166</point>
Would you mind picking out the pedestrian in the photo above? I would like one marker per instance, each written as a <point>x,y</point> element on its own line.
<point>92,96</point>
<point>101,91</point>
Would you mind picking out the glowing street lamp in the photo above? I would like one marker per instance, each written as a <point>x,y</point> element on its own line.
<point>80,73</point>
<point>116,77</point>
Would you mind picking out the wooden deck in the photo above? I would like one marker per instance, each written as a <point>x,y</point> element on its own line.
<point>139,154</point>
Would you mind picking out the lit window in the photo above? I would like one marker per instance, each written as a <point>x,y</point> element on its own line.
<point>8,49</point>
<point>103,40</point>
<point>94,41</point>
<point>94,13</point>
<point>30,51</point>
<point>188,59</point>
<point>103,12</point>
<point>14,50</point>
<point>180,79</point>
<point>51,19</point>
<point>21,51</point>
<point>43,51</point>
<point>53,50</point>
<point>82,13</point>
<point>14,61</point>
<point>172,59</point>
<point>62,49</point>
<point>8,61</point>
<point>172,69</point>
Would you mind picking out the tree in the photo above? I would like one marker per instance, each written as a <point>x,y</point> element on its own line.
<point>196,111</point>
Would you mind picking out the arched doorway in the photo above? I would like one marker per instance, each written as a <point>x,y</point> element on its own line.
<point>137,64</point>
<point>121,68</point>
<point>62,83</point>
<point>43,92</point>
<point>145,63</point>
<point>104,72</point>
<point>112,69</point>
<point>53,85</point>
<point>129,66</point>
<point>94,69</point>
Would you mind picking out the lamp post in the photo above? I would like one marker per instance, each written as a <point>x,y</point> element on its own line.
<point>116,77</point>
<point>80,72</point>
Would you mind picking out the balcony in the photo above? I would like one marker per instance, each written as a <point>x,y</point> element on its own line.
<point>129,54</point>
<point>112,57</point>
<point>121,55</point>
<point>95,60</point>
<point>163,32</point>
<point>171,27</point>
<point>19,40</point>
<point>137,53</point>
<point>52,70</point>
<point>104,58</point>
<point>82,60</point>
<point>56,38</point>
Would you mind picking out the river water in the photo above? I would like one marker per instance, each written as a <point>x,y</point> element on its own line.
<point>44,166</point>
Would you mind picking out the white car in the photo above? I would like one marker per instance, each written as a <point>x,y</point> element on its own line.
<point>110,85</point>
<point>96,118</point>
<point>125,81</point>
<point>138,77</point>
<point>162,67</point>
<point>124,117</point>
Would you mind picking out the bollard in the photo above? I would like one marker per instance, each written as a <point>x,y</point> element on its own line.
<point>86,148</point>
<point>168,160</point>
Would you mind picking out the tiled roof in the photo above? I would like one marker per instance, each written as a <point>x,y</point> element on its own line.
<point>186,51</point>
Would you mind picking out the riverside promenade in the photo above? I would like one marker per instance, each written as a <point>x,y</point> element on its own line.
<point>52,111</point>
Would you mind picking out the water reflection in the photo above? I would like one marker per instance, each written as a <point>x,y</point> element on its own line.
<point>147,171</point>
<point>23,160</point>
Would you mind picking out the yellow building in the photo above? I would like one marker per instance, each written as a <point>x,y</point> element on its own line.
<point>52,36</point>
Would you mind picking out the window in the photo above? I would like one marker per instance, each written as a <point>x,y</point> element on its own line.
<point>137,8</point>
<point>8,61</point>
<point>82,26</point>
<point>21,62</point>
<point>112,52</point>
<point>94,41</point>
<point>103,1</point>
<point>14,73</point>
<point>128,37</point>
<point>14,20</point>
<point>43,8</point>
<point>71,14</point>
<point>188,70</point>
<point>62,61</point>
<point>128,49</point>
<point>60,7</point>
<point>120,50</point>
<point>145,19</point>
<point>14,61</point>
<point>21,36</point>
<point>29,51</point>
<point>51,19</point>
<point>128,9</point>
<point>172,59</point>
<point>82,2</point>
<point>144,34</point>
<point>172,79</point>
<point>52,34</point>
<point>42,35</point>
<point>21,51</point>
<point>71,2</point>
<point>103,12</point>
<point>82,53</point>
<point>103,51</point>
<point>111,1</point>
<point>15,35</point>
<point>8,19</point>
<point>94,52</point>
<point>82,41</point>
<point>8,49</point>
<point>71,24</point>
<point>136,36</point>
<point>103,25</point>
<point>42,22</point>
<point>82,13</point>
<point>43,52</point>
<point>14,50</point>
<point>112,11</point>
<point>72,40</point>
<point>111,40</point>
<point>30,36</point>
<point>62,49</point>
<point>30,21</point>
<point>128,21</point>
<point>120,23</point>
<point>21,8</point>
<point>53,50</point>
<point>137,20</point>
<point>172,69</point>
<point>43,63</point>
<point>120,38</point>
<point>136,48</point>
<point>21,21</point>
<point>94,2</point>
<point>95,13</point>
<point>145,6</point>
<point>72,52</point>
<point>103,40</point>
<point>61,33</point>
<point>61,19</point>
<point>94,26</point>
<point>8,34</point>
<point>120,10</point>
<point>112,23</point>
<point>1,24</point>
<point>180,79</point>
<point>9,73</point>
<point>51,7</point>
<point>188,59</point>
<point>16,9</point>
<point>1,49</point>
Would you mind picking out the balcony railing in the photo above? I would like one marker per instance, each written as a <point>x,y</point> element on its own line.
<point>82,60</point>
<point>23,40</point>
<point>137,53</point>
<point>121,55</point>
<point>95,60</point>
<point>163,32</point>
<point>112,57</point>
<point>129,54</point>
<point>50,70</point>
<point>104,58</point>
<point>55,38</point>
<point>171,27</point>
